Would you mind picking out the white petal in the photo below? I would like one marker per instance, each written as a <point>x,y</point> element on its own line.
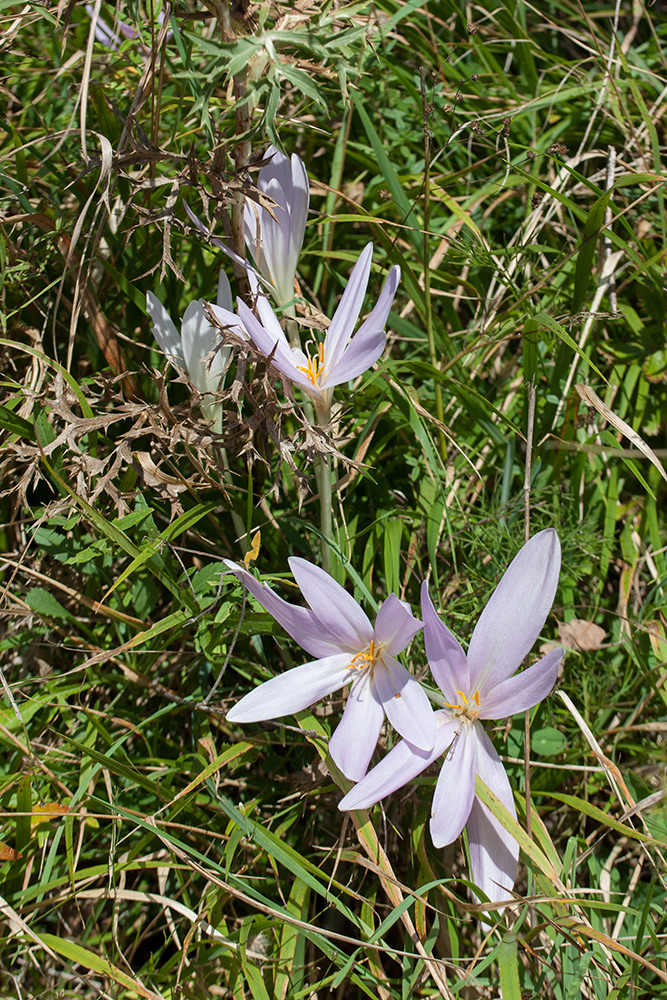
<point>336,609</point>
<point>355,738</point>
<point>164,331</point>
<point>199,338</point>
<point>224,299</point>
<point>405,702</point>
<point>455,788</point>
<point>292,691</point>
<point>511,621</point>
<point>401,765</point>
<point>493,851</point>
<point>395,625</point>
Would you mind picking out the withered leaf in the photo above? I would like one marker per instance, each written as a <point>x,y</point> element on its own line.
<point>581,635</point>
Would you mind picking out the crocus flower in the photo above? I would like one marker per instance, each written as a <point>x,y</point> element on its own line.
<point>273,238</point>
<point>340,356</point>
<point>348,650</point>
<point>479,686</point>
<point>197,339</point>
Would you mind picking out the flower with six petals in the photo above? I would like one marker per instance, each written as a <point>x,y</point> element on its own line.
<point>480,685</point>
<point>340,356</point>
<point>347,650</point>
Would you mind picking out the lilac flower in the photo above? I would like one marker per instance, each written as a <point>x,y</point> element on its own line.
<point>190,348</point>
<point>479,686</point>
<point>340,356</point>
<point>273,238</point>
<point>348,650</point>
<point>112,38</point>
<point>107,36</point>
<point>275,243</point>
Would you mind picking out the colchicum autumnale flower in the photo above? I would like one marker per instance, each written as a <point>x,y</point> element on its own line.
<point>348,650</point>
<point>274,243</point>
<point>340,356</point>
<point>197,339</point>
<point>479,686</point>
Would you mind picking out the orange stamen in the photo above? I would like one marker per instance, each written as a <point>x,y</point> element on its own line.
<point>315,368</point>
<point>362,660</point>
<point>465,701</point>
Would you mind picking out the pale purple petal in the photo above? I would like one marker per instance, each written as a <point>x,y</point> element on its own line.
<point>274,238</point>
<point>286,359</point>
<point>355,738</point>
<point>493,858</point>
<point>275,243</point>
<point>164,331</point>
<point>455,788</point>
<point>405,702</point>
<point>511,621</point>
<point>346,315</point>
<point>228,320</point>
<point>300,623</point>
<point>213,239</point>
<point>299,207</point>
<point>493,851</point>
<point>401,765</point>
<point>292,691</point>
<point>224,299</point>
<point>446,658</point>
<point>395,625</point>
<point>362,352</point>
<point>524,690</point>
<point>332,605</point>
<point>377,319</point>
<point>199,338</point>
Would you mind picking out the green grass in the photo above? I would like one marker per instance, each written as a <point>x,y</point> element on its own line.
<point>148,847</point>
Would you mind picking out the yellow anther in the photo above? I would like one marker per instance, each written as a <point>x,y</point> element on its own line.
<point>465,702</point>
<point>315,368</point>
<point>362,660</point>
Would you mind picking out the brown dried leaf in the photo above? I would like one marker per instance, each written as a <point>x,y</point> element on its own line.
<point>581,635</point>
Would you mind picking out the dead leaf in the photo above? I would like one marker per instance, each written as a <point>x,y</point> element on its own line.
<point>581,635</point>
<point>8,853</point>
<point>48,810</point>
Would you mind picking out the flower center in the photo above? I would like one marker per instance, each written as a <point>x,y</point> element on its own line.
<point>315,369</point>
<point>468,709</point>
<point>366,658</point>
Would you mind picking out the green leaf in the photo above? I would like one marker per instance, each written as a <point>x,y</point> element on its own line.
<point>508,966</point>
<point>588,809</point>
<point>548,742</point>
<point>44,604</point>
<point>75,953</point>
<point>15,424</point>
<point>593,225</point>
<point>543,319</point>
